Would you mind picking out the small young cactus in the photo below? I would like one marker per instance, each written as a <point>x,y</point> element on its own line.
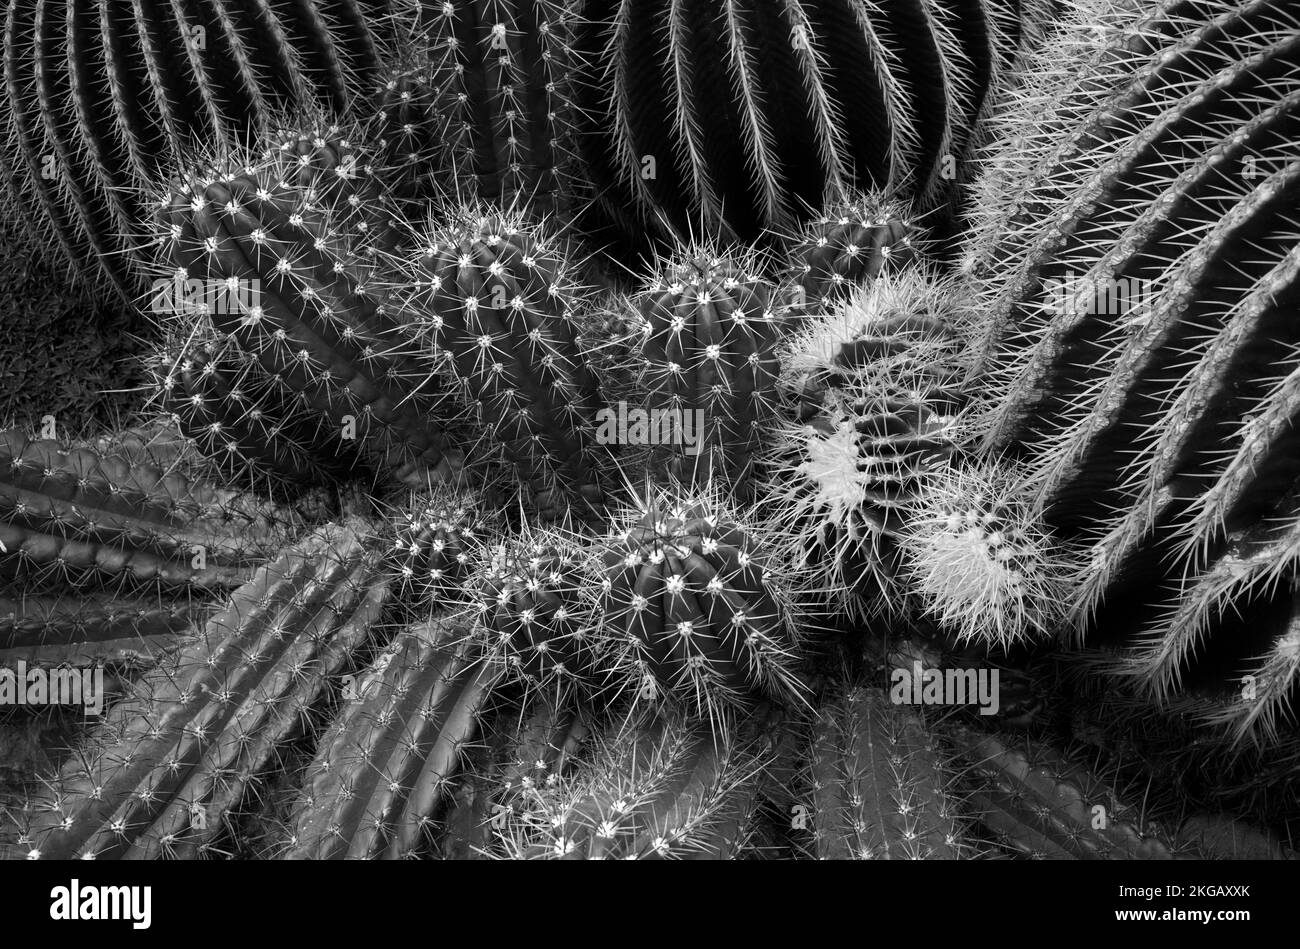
<point>438,537</point>
<point>494,299</point>
<point>699,612</point>
<point>711,329</point>
<point>879,787</point>
<point>979,562</point>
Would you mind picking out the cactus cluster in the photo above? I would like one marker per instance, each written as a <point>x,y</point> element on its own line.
<point>571,418</point>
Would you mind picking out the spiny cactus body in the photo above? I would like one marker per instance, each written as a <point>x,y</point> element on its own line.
<point>280,233</point>
<point>880,790</point>
<point>743,115</point>
<point>78,518</point>
<point>385,765</point>
<point>438,538</point>
<point>662,788</point>
<point>698,611</point>
<point>88,629</point>
<point>848,245</point>
<point>711,328</point>
<point>495,297</point>
<point>159,774</point>
<point>102,100</point>
<point>1137,263</point>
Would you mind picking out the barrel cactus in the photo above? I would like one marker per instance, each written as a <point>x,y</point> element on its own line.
<point>1135,261</point>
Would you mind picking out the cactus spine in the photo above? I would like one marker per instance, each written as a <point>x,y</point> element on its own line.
<point>50,630</point>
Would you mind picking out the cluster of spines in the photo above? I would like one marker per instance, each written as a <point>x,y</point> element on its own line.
<point>699,614</point>
<point>102,101</point>
<point>711,326</point>
<point>385,768</point>
<point>160,773</point>
<point>75,518</point>
<point>655,787</point>
<point>1138,270</point>
<point>306,306</point>
<point>879,786</point>
<point>437,539</point>
<point>493,299</point>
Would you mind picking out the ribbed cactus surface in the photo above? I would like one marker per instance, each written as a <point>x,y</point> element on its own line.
<point>160,773</point>
<point>103,100</point>
<point>728,117</point>
<point>1137,265</point>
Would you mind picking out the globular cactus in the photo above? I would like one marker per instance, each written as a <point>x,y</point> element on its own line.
<point>1136,263</point>
<point>533,607</point>
<point>165,766</point>
<point>879,787</point>
<point>438,537</point>
<point>1033,801</point>
<point>503,75</point>
<point>737,116</point>
<point>385,766</point>
<point>495,297</point>
<point>700,613</point>
<point>277,234</point>
<point>86,629</point>
<point>711,327</point>
<point>103,100</point>
<point>534,748</point>
<point>978,560</point>
<point>656,788</point>
<point>75,518</point>
<point>849,244</point>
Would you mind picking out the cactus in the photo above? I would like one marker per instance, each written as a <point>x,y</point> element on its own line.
<point>76,518</point>
<point>535,748</point>
<point>879,787</point>
<point>657,788</point>
<point>280,232</point>
<point>1038,803</point>
<point>698,614</point>
<point>533,607</point>
<point>848,245</point>
<point>50,630</point>
<point>711,327</point>
<point>103,100</point>
<point>1137,264</point>
<point>495,297</point>
<point>384,767</point>
<point>737,117</point>
<point>160,773</point>
<point>503,75</point>
<point>437,539</point>
<point>980,563</point>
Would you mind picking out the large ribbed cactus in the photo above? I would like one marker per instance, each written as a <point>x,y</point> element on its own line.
<point>740,115</point>
<point>1136,262</point>
<point>76,519</point>
<point>384,767</point>
<point>158,776</point>
<point>102,99</point>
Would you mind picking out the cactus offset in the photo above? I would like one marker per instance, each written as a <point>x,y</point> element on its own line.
<point>165,766</point>
<point>699,612</point>
<point>495,297</point>
<point>437,540</point>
